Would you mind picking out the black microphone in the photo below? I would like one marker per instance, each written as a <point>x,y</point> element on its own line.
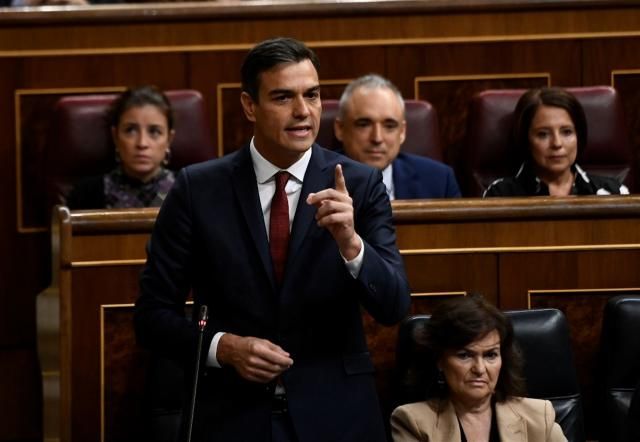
<point>202,323</point>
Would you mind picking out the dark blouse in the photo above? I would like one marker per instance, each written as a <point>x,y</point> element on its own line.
<point>526,183</point>
<point>494,433</point>
<point>118,190</point>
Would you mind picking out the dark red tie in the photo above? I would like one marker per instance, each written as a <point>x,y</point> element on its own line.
<point>279,225</point>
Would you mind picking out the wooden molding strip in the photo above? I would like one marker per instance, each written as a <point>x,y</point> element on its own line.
<point>107,263</point>
<point>521,249</point>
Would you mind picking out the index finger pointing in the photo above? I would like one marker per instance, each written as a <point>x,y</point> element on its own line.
<point>341,185</point>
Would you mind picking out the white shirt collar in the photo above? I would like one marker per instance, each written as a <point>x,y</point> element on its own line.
<point>265,170</point>
<point>387,179</point>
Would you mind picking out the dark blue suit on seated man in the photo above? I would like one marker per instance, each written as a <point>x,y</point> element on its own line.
<point>371,125</point>
<point>287,358</point>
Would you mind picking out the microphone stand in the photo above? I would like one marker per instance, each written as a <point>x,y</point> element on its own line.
<point>202,323</point>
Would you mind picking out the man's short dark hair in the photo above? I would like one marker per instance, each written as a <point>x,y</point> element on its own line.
<point>269,53</point>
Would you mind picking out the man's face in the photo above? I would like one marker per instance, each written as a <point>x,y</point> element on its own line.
<point>373,127</point>
<point>287,114</point>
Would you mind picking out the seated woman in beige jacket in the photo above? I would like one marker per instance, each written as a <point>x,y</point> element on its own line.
<point>480,386</point>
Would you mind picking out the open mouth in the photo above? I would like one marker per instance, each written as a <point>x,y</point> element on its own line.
<point>299,131</point>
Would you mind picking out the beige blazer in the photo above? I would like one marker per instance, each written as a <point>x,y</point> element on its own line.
<point>519,420</point>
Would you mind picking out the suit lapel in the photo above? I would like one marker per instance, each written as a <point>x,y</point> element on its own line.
<point>315,178</point>
<point>404,179</point>
<point>245,187</point>
<point>446,424</point>
<point>511,425</point>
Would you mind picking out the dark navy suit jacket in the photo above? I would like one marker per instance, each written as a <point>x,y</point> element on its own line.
<point>420,177</point>
<point>210,238</point>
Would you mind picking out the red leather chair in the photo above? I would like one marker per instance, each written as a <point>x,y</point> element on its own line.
<point>81,143</point>
<point>422,128</point>
<point>487,156</point>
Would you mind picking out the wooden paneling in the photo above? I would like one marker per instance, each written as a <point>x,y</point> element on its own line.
<point>24,266</point>
<point>167,71</point>
<point>98,286</point>
<point>233,23</point>
<point>439,273</point>
<point>21,421</point>
<point>627,82</point>
<point>615,62</point>
<point>586,269</point>
<point>124,375</point>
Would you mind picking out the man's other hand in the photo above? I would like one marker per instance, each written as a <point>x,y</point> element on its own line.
<point>255,359</point>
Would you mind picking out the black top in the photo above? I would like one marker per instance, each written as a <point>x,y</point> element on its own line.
<point>494,433</point>
<point>118,190</point>
<point>526,183</point>
<point>87,193</point>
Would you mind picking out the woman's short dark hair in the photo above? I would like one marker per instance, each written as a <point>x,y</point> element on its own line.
<point>269,53</point>
<point>459,321</point>
<point>137,97</point>
<point>526,109</point>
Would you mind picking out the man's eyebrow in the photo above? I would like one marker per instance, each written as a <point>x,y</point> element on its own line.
<point>284,91</point>
<point>281,92</point>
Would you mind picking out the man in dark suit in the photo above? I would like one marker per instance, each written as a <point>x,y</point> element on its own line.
<point>286,353</point>
<point>371,125</point>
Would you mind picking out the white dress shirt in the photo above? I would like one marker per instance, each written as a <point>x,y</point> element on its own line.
<point>387,179</point>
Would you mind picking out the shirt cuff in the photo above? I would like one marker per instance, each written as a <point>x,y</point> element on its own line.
<point>355,264</point>
<point>212,360</point>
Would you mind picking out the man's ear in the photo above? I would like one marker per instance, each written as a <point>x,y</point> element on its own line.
<point>337,129</point>
<point>403,134</point>
<point>248,105</point>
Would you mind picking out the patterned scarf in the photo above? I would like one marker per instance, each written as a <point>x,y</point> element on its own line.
<point>122,191</point>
